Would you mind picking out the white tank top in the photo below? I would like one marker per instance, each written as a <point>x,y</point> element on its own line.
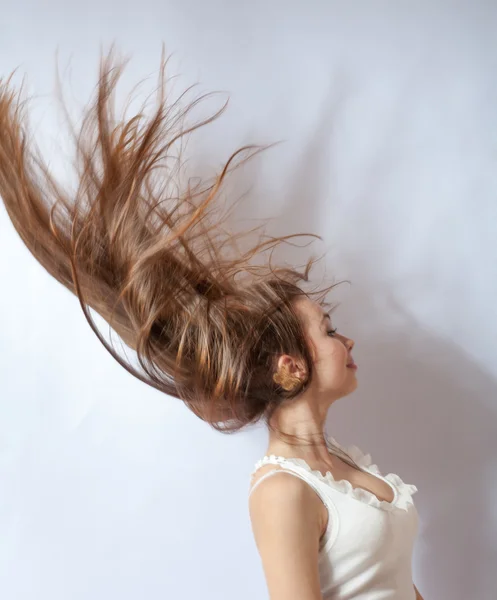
<point>366,551</point>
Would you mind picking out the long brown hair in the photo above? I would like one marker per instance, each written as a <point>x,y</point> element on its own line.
<point>151,256</point>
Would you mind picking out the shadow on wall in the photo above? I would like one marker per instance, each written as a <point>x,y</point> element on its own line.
<point>430,412</point>
<point>420,398</point>
<point>426,404</point>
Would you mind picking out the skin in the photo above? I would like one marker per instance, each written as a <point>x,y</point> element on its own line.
<point>287,534</point>
<point>305,416</point>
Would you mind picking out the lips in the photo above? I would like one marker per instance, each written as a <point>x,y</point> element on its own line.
<point>351,363</point>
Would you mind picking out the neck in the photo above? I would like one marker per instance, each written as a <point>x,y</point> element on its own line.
<point>299,430</point>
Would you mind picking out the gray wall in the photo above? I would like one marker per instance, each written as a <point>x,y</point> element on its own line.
<point>388,117</point>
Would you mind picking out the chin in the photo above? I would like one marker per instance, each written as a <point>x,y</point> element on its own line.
<point>351,388</point>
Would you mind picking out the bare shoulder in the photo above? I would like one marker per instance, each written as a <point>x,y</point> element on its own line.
<point>281,486</point>
<point>287,525</point>
<point>295,493</point>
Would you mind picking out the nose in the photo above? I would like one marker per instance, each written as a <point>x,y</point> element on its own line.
<point>349,344</point>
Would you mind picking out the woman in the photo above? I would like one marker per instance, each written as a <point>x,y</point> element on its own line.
<point>336,528</point>
<point>143,245</point>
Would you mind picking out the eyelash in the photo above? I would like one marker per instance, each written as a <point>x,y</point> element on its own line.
<point>332,331</point>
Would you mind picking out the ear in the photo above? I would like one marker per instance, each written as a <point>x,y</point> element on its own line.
<point>293,366</point>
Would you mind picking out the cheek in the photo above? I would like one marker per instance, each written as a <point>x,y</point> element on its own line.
<point>337,348</point>
<point>333,353</point>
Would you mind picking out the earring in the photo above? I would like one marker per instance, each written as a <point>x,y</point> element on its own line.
<point>286,380</point>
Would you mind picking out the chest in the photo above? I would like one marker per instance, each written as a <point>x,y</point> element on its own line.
<point>358,479</point>
<point>362,479</point>
<point>377,486</point>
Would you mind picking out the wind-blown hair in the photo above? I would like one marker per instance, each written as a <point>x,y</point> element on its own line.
<point>152,257</point>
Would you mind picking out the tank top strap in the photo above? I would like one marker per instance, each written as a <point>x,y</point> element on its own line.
<point>269,474</point>
<point>287,466</point>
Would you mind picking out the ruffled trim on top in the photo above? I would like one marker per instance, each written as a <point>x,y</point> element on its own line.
<point>402,491</point>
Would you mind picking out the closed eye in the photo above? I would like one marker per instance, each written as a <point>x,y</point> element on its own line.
<point>333,331</point>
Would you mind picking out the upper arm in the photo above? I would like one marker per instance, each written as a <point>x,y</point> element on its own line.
<point>287,528</point>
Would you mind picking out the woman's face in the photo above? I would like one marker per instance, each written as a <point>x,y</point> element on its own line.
<point>331,351</point>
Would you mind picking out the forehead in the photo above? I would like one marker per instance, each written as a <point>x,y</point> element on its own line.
<point>312,311</point>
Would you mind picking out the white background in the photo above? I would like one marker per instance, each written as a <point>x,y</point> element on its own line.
<point>388,116</point>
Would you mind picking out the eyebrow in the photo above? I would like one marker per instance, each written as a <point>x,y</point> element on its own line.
<point>325,316</point>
